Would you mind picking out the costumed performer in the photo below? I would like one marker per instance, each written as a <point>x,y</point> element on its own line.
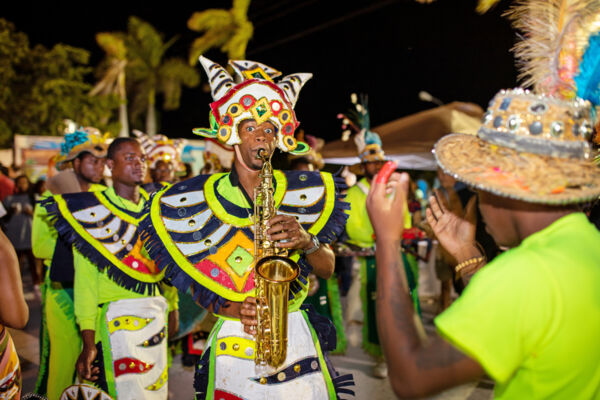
<point>163,156</point>
<point>360,233</point>
<point>81,165</point>
<point>200,231</point>
<point>14,313</point>
<point>117,289</point>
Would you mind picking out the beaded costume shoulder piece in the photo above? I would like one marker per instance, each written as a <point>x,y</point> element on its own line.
<point>107,234</point>
<point>200,231</point>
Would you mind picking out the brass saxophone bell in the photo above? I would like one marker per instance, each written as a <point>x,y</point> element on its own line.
<point>275,274</point>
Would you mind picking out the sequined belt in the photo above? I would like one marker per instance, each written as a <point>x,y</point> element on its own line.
<point>574,149</point>
<point>244,348</point>
<point>237,347</point>
<point>302,367</point>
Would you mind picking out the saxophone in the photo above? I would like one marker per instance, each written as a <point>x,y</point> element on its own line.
<point>273,272</point>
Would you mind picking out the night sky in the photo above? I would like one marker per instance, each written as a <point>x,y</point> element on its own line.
<point>389,49</point>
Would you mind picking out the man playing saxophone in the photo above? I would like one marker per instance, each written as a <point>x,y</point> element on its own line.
<point>202,233</point>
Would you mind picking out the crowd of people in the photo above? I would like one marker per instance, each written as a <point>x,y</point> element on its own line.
<point>134,254</point>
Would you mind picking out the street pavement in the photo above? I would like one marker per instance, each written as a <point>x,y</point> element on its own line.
<point>355,361</point>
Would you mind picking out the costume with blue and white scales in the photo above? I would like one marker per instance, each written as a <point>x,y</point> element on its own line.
<point>200,233</point>
<point>130,329</point>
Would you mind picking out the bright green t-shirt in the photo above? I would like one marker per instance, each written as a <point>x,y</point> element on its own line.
<point>531,317</point>
<point>358,226</point>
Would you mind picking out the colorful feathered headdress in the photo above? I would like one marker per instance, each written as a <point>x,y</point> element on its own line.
<point>161,148</point>
<point>536,145</point>
<point>88,139</point>
<point>559,54</point>
<point>313,155</point>
<point>358,120</point>
<point>257,97</point>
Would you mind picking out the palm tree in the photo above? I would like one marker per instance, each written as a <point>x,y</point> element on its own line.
<point>228,29</point>
<point>150,74</point>
<point>112,72</point>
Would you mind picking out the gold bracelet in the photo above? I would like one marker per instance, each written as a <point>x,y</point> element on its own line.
<point>466,263</point>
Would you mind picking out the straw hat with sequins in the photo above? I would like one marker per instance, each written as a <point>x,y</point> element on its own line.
<point>82,140</point>
<point>536,146</point>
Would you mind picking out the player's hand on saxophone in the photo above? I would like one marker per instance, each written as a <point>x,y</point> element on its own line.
<point>287,233</point>
<point>248,315</point>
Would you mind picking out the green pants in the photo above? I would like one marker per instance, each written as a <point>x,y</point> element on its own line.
<point>63,342</point>
<point>368,294</point>
<point>326,302</point>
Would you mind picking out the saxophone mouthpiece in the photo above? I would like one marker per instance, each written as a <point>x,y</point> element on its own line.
<point>261,154</point>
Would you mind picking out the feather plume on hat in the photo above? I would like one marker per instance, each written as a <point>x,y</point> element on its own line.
<point>560,47</point>
<point>544,135</point>
<point>358,120</point>
<point>83,139</point>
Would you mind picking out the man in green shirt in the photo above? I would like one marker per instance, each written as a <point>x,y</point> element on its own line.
<point>82,166</point>
<point>530,319</point>
<point>118,303</point>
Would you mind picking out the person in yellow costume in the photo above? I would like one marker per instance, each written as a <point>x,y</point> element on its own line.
<point>360,232</point>
<point>201,232</point>
<point>81,162</point>
<point>119,298</point>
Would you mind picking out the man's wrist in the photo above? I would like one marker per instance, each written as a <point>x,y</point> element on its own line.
<point>387,240</point>
<point>88,337</point>
<point>469,251</point>
<point>312,246</point>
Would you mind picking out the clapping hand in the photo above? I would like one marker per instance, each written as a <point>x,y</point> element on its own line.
<point>386,203</point>
<point>456,233</point>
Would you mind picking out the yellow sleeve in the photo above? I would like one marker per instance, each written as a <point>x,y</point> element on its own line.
<point>43,234</point>
<point>171,295</point>
<point>85,288</point>
<point>407,217</point>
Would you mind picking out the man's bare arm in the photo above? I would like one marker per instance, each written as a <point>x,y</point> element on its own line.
<point>322,261</point>
<point>14,312</point>
<point>415,368</point>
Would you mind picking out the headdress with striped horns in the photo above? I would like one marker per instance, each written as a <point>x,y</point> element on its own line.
<point>257,96</point>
